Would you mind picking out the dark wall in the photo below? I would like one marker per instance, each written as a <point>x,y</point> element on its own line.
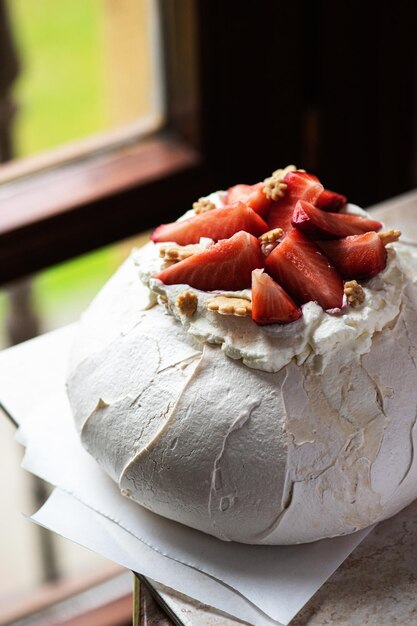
<point>330,86</point>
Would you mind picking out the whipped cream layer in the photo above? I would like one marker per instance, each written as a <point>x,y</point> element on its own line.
<point>271,347</point>
<point>322,447</point>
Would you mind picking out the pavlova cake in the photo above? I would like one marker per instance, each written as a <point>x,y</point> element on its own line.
<point>251,372</point>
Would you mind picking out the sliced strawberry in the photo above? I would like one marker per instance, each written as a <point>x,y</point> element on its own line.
<point>252,195</point>
<point>305,272</point>
<point>364,223</point>
<point>270,303</point>
<point>226,265</point>
<point>322,225</point>
<point>216,224</point>
<point>358,256</point>
<point>330,201</point>
<point>300,185</point>
<point>280,215</point>
<point>303,186</point>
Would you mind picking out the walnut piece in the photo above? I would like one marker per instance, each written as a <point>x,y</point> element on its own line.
<point>226,305</point>
<point>175,252</point>
<point>354,293</point>
<point>270,240</point>
<point>271,236</point>
<point>203,205</point>
<point>389,236</point>
<point>187,303</point>
<point>163,300</point>
<point>274,186</point>
<point>283,171</point>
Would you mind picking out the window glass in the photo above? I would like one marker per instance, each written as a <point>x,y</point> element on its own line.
<point>84,66</point>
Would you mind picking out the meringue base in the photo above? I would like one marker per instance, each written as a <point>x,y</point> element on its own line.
<point>313,450</point>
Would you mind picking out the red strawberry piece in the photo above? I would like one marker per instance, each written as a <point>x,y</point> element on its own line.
<point>303,186</point>
<point>216,224</point>
<point>252,195</point>
<point>280,215</point>
<point>300,267</point>
<point>330,201</point>
<point>322,225</point>
<point>226,265</point>
<point>300,185</point>
<point>270,303</point>
<point>358,256</point>
<point>364,223</point>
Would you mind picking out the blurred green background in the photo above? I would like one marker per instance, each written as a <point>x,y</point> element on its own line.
<point>60,89</point>
<point>61,97</point>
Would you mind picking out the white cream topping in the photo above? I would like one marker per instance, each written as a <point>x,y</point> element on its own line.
<point>271,347</point>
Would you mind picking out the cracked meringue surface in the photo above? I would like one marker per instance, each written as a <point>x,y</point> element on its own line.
<point>307,432</point>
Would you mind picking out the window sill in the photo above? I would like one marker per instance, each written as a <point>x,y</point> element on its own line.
<point>101,598</point>
<point>61,212</point>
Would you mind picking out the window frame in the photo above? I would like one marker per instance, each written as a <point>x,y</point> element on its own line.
<point>66,202</point>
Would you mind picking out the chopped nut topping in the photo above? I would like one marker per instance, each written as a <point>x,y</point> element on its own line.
<point>226,305</point>
<point>203,205</point>
<point>274,186</point>
<point>389,236</point>
<point>354,293</point>
<point>269,240</point>
<point>187,303</point>
<point>282,172</point>
<point>175,252</point>
<point>163,300</point>
<point>271,236</point>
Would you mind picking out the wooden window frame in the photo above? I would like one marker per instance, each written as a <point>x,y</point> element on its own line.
<point>70,201</point>
<point>62,592</point>
<point>57,214</point>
